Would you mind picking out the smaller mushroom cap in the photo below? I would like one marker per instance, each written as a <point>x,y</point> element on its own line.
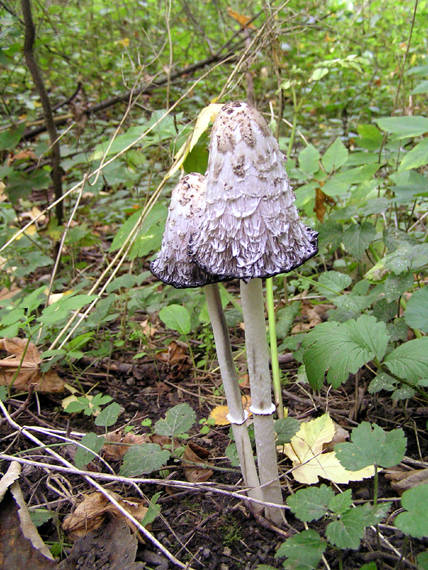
<point>174,265</point>
<point>250,226</point>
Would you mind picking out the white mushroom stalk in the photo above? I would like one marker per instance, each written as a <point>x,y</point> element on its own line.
<point>251,229</point>
<point>174,266</point>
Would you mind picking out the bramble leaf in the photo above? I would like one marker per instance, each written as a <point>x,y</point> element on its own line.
<point>303,550</point>
<point>341,349</point>
<point>144,458</point>
<point>371,445</point>
<point>178,420</point>
<point>312,503</point>
<point>415,520</point>
<point>348,531</point>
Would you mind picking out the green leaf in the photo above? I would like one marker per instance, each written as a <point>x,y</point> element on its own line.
<point>422,560</point>
<point>178,420</point>
<point>309,160</point>
<point>144,458</point>
<point>357,238</point>
<point>409,360</point>
<point>415,158</point>
<point>151,224</point>
<point>3,393</point>
<point>348,531</point>
<point>396,285</point>
<point>422,87</point>
<point>108,416</point>
<point>286,428</point>
<point>415,520</point>
<point>416,314</point>
<point>10,138</point>
<point>341,502</point>
<point>285,318</point>
<point>33,300</point>
<point>40,516</point>
<point>382,381</point>
<point>342,349</point>
<point>404,127</point>
<point>303,550</point>
<point>332,282</point>
<point>153,511</point>
<point>177,318</point>
<point>370,137</point>
<point>312,503</point>
<point>371,445</point>
<point>62,308</point>
<point>94,443</point>
<point>335,156</point>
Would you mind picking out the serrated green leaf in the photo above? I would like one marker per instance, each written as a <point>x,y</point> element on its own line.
<point>396,285</point>
<point>416,314</point>
<point>304,549</point>
<point>94,443</point>
<point>10,138</point>
<point>382,381</point>
<point>335,156</point>
<point>312,503</point>
<point>358,237</point>
<point>348,531</point>
<point>108,416</point>
<point>370,137</point>
<point>332,282</point>
<point>404,127</point>
<point>309,160</point>
<point>415,520</point>
<point>422,560</point>
<point>285,318</point>
<point>178,420</point>
<point>177,318</point>
<point>341,502</point>
<point>286,428</point>
<point>371,445</point>
<point>415,158</point>
<point>144,458</point>
<point>341,349</point>
<point>409,360</point>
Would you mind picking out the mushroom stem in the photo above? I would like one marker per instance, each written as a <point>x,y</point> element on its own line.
<point>233,395</point>
<point>261,397</point>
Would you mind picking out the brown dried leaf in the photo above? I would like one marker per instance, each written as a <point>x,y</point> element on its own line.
<point>175,355</point>
<point>118,443</point>
<point>196,454</point>
<point>21,369</point>
<point>91,512</point>
<point>403,480</point>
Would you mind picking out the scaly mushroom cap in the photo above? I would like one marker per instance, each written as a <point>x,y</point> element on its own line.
<point>250,226</point>
<point>174,265</point>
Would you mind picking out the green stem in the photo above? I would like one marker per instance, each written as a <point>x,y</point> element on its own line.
<point>276,376</point>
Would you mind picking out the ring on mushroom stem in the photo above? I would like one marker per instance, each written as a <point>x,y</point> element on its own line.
<point>250,229</point>
<point>174,266</point>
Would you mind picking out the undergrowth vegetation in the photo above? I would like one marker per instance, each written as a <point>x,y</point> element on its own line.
<point>85,329</point>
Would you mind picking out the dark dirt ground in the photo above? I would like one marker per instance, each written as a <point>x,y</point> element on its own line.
<point>207,529</point>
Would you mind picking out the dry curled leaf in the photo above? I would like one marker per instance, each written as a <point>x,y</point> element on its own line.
<point>21,368</point>
<point>403,480</point>
<point>175,355</point>
<point>91,512</point>
<point>196,454</point>
<point>117,444</point>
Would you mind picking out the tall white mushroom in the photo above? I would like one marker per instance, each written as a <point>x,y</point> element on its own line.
<point>251,229</point>
<point>174,266</point>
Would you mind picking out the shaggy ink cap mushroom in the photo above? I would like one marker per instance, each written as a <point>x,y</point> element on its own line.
<point>250,226</point>
<point>173,264</point>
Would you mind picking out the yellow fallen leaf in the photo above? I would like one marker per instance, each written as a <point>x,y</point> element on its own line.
<point>306,452</point>
<point>205,117</point>
<point>219,413</point>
